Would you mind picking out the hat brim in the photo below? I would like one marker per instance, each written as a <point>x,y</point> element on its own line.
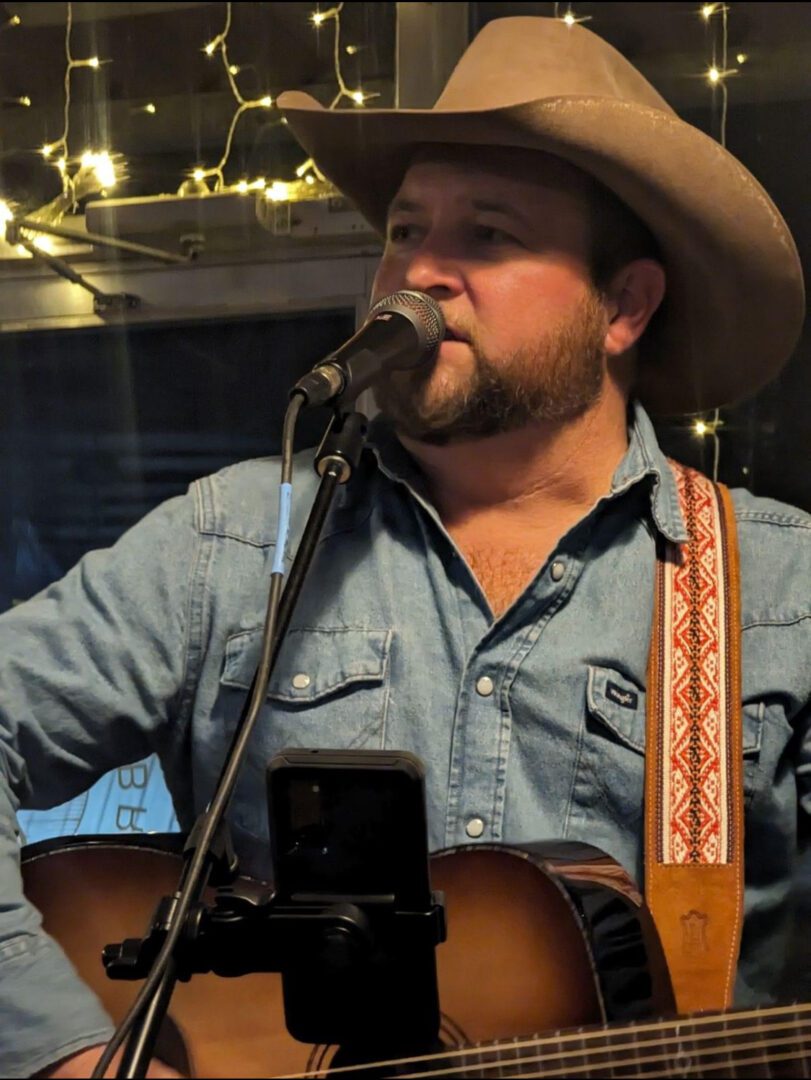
<point>735,300</point>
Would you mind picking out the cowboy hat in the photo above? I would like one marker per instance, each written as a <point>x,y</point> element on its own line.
<point>735,302</point>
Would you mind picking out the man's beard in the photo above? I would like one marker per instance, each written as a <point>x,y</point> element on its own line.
<point>556,380</point>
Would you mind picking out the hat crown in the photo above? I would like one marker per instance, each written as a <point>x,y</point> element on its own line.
<point>526,58</point>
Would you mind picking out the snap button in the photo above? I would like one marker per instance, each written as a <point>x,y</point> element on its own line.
<point>557,570</point>
<point>485,686</point>
<point>474,828</point>
<point>301,681</point>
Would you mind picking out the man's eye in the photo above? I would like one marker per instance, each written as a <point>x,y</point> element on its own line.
<point>399,232</point>
<point>493,235</point>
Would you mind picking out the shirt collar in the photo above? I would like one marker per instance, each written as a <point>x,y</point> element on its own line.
<point>643,458</point>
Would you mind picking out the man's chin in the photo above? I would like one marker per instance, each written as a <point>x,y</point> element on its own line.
<point>443,427</point>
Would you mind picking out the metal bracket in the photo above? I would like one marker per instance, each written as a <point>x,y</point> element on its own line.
<point>114,303</point>
<point>103,303</point>
<point>30,225</point>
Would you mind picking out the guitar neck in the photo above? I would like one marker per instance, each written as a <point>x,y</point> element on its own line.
<point>746,1043</point>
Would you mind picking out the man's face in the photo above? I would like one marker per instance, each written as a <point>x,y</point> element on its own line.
<point>500,239</point>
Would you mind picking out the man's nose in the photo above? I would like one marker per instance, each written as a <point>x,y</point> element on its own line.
<point>434,271</point>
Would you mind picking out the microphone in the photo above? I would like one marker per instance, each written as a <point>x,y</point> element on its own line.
<point>401,331</point>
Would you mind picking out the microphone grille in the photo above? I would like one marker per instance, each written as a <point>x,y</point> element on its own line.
<point>420,304</point>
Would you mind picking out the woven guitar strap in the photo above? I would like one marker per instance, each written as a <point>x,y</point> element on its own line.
<point>693,783</point>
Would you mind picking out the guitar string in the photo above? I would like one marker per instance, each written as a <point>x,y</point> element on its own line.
<point>586,1067</point>
<point>634,1046</point>
<point>688,1070</point>
<point>791,1012</point>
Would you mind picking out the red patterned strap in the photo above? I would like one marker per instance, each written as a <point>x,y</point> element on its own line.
<point>694,789</point>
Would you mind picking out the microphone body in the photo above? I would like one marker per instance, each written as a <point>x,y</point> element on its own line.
<point>402,331</point>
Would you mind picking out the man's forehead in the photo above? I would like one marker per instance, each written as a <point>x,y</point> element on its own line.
<point>495,166</point>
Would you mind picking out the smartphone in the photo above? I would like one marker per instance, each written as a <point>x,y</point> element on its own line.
<point>349,826</point>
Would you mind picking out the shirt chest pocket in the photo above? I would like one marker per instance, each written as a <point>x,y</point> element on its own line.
<point>616,730</point>
<point>329,688</point>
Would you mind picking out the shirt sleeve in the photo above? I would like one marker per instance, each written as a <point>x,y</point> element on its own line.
<point>92,677</point>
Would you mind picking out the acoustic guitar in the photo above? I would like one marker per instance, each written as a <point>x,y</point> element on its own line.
<point>552,968</point>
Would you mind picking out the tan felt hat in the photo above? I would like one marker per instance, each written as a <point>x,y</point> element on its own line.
<point>735,299</point>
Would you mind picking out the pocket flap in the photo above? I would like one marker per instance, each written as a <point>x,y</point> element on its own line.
<point>313,662</point>
<point>619,704</point>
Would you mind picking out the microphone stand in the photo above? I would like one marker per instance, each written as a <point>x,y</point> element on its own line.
<point>336,459</point>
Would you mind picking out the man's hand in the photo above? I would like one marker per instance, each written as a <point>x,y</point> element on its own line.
<point>81,1065</point>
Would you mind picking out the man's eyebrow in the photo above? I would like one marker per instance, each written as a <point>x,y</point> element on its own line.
<point>495,207</point>
<point>409,206</point>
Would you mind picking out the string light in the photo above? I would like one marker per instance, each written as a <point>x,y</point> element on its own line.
<point>710,427</point>
<point>91,177</point>
<point>102,165</point>
<point>716,75</point>
<point>98,170</point>
<point>359,96</point>
<point>279,191</point>
<point>13,20</point>
<point>94,172</point>
<point>318,18</point>
<point>220,44</point>
<point>569,16</point>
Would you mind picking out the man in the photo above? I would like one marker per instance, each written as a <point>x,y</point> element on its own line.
<point>482,593</point>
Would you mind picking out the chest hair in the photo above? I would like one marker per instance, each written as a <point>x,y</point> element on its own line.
<point>504,571</point>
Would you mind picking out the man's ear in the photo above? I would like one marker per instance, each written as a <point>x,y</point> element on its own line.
<point>635,292</point>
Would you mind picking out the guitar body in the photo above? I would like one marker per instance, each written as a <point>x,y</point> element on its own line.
<point>549,938</point>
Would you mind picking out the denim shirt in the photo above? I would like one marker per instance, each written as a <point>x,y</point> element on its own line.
<point>151,646</point>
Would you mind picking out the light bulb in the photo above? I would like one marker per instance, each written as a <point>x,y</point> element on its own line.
<point>278,191</point>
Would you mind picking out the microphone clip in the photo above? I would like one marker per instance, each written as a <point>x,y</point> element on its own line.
<point>342,444</point>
